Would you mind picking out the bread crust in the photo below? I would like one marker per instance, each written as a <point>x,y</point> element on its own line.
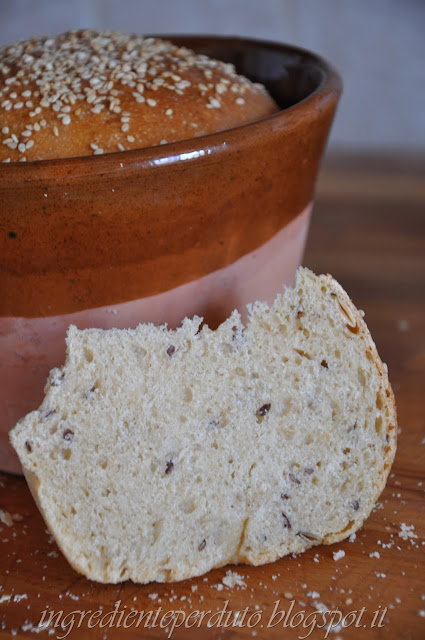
<point>385,389</point>
<point>87,92</point>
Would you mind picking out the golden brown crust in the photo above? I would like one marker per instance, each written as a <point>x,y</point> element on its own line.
<point>358,325</point>
<point>85,92</point>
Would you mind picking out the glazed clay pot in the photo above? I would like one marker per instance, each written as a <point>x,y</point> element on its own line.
<point>200,226</point>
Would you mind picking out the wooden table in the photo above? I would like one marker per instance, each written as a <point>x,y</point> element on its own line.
<point>368,230</point>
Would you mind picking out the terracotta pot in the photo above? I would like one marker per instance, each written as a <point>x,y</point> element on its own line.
<point>201,226</point>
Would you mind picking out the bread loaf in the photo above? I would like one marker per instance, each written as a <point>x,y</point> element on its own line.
<point>159,454</point>
<point>87,92</point>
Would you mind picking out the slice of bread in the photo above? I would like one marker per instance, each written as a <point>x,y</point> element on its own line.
<point>159,454</point>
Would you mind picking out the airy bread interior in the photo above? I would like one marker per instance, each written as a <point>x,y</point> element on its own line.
<point>159,454</point>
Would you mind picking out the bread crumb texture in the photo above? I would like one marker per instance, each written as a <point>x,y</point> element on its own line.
<point>160,454</point>
<point>88,93</point>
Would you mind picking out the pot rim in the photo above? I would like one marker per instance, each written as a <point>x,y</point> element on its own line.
<point>327,91</point>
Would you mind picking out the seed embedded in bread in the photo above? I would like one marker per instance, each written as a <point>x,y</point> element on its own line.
<point>233,449</point>
<point>88,93</point>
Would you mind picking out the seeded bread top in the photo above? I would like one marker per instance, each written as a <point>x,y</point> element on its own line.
<point>88,92</point>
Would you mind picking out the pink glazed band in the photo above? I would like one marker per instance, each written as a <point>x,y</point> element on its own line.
<point>31,347</point>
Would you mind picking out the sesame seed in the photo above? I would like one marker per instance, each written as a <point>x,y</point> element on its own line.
<point>86,71</point>
<point>183,84</point>
<point>6,160</point>
<point>214,103</point>
<point>98,151</point>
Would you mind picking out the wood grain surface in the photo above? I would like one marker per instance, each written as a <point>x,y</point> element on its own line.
<point>368,230</point>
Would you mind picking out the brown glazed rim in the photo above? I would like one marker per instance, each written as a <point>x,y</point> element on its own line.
<point>94,249</point>
<point>191,148</point>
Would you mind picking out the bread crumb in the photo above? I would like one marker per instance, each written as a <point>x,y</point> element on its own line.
<point>321,608</point>
<point>313,594</point>
<point>29,626</point>
<point>153,596</point>
<point>232,579</point>
<point>406,531</point>
<point>20,596</point>
<point>6,518</point>
<point>337,555</point>
<point>374,554</point>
